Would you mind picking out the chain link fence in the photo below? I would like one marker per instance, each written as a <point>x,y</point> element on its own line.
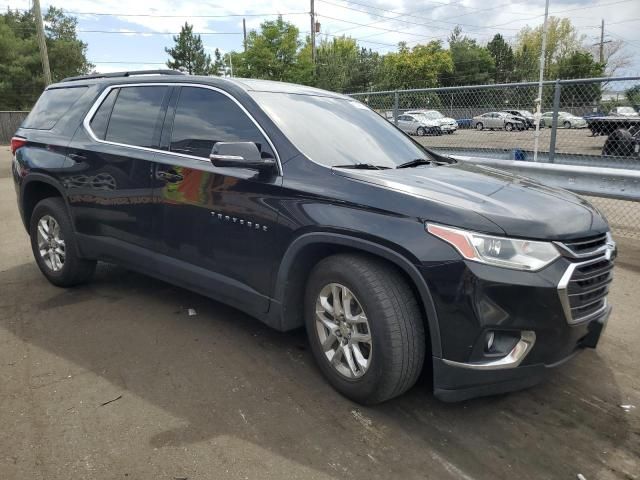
<point>9,123</point>
<point>589,122</point>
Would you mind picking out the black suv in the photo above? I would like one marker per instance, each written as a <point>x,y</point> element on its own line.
<point>303,207</point>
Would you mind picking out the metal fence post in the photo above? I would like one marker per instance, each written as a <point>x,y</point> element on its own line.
<point>554,122</point>
<point>396,105</point>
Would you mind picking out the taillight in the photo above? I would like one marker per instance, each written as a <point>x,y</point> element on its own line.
<point>16,143</point>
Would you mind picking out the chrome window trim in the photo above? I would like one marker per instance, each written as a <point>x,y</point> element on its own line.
<point>510,360</point>
<point>86,123</point>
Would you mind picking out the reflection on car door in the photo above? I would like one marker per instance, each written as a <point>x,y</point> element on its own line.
<point>108,175</point>
<point>214,222</point>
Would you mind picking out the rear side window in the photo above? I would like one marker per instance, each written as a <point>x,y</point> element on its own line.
<point>100,120</point>
<point>204,117</point>
<point>51,106</point>
<point>137,115</point>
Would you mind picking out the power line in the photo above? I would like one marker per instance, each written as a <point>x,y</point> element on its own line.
<point>131,32</point>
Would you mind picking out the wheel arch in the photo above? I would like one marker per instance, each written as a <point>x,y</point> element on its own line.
<point>35,188</point>
<point>305,252</point>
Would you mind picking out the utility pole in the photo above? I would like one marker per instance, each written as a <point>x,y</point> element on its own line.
<point>42,42</point>
<point>543,53</point>
<point>244,34</point>
<point>313,33</point>
<point>602,42</point>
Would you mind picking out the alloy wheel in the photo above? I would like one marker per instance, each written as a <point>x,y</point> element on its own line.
<point>50,243</point>
<point>343,330</point>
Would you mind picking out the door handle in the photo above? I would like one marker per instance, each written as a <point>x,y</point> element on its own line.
<point>169,176</point>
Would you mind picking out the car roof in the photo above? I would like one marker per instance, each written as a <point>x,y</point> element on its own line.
<point>170,76</point>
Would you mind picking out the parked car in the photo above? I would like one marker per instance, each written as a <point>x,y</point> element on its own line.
<point>565,120</point>
<point>525,116</point>
<point>497,120</point>
<point>303,207</point>
<point>463,123</point>
<point>624,112</point>
<point>418,124</point>
<point>447,124</point>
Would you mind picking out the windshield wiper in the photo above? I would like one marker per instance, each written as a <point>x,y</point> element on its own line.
<point>362,166</point>
<point>416,163</point>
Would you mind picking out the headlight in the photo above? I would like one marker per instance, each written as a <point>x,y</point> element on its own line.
<point>499,251</point>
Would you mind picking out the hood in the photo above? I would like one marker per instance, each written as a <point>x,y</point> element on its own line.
<point>519,206</point>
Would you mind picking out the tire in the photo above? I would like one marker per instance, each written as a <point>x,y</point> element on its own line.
<point>421,132</point>
<point>396,350</point>
<point>566,124</point>
<point>508,126</point>
<point>67,268</point>
<point>479,126</point>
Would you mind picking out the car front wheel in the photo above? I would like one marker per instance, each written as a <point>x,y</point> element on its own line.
<point>479,126</point>
<point>365,327</point>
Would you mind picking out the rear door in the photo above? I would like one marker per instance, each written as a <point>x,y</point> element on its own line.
<point>109,168</point>
<point>215,223</point>
<point>404,123</point>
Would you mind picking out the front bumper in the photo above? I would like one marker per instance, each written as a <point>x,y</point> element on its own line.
<point>455,382</point>
<point>559,311</point>
<point>449,127</point>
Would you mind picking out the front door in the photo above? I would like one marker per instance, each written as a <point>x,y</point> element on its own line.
<point>216,223</point>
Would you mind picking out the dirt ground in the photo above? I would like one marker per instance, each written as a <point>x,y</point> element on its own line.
<point>115,380</point>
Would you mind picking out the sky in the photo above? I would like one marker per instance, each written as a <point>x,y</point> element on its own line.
<point>141,30</point>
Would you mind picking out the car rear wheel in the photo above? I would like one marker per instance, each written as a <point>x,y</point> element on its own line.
<point>54,245</point>
<point>508,127</point>
<point>479,126</point>
<point>365,327</point>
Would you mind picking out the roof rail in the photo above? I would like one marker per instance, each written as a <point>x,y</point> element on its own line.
<point>122,74</point>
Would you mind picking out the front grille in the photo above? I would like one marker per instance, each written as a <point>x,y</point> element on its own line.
<point>584,290</point>
<point>584,247</point>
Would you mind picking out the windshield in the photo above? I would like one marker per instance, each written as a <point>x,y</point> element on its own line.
<point>526,113</point>
<point>627,110</point>
<point>336,131</point>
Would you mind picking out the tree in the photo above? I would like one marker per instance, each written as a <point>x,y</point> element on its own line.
<point>188,53</point>
<point>335,63</point>
<point>219,67</point>
<point>271,54</point>
<point>472,64</point>
<point>420,66</point>
<point>562,41</point>
<point>503,59</point>
<point>21,79</point>
<point>633,95</point>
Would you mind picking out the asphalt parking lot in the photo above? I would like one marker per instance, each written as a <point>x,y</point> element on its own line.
<point>115,380</point>
<point>567,140</point>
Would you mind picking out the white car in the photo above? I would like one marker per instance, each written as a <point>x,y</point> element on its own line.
<point>624,112</point>
<point>447,125</point>
<point>418,124</point>
<point>565,119</point>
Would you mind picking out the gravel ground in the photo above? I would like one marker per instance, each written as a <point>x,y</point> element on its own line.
<point>115,380</point>
<point>567,140</point>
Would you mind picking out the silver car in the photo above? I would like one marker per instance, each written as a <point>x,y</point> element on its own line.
<point>565,119</point>
<point>497,120</point>
<point>447,124</point>
<point>417,124</point>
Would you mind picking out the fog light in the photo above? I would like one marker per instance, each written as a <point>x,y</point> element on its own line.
<point>489,341</point>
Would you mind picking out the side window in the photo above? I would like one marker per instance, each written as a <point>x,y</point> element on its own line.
<point>136,115</point>
<point>100,120</point>
<point>204,117</point>
<point>51,106</point>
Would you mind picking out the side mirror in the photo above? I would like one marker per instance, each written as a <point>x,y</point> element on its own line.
<point>239,155</point>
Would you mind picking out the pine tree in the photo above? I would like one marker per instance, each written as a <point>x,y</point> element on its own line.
<point>188,53</point>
